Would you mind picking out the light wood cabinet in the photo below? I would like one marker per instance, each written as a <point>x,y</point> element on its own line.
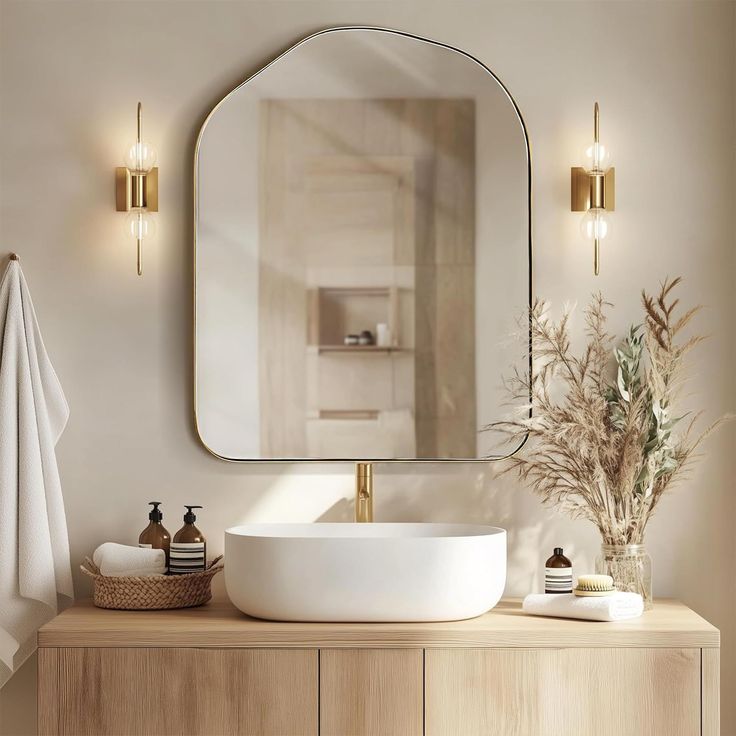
<point>158,691</point>
<point>371,691</point>
<point>211,670</point>
<point>558,692</point>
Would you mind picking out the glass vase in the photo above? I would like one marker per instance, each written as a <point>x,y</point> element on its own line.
<point>630,566</point>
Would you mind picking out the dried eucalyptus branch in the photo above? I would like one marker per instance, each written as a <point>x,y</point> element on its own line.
<point>602,447</point>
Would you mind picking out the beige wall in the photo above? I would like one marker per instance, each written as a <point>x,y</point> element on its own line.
<point>71,75</point>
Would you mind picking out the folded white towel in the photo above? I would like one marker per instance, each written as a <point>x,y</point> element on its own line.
<point>118,560</point>
<point>35,569</point>
<point>614,607</point>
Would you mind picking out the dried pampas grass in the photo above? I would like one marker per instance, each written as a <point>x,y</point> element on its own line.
<point>603,447</point>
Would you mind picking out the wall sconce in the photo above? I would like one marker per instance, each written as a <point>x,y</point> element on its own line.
<point>136,190</point>
<point>593,191</point>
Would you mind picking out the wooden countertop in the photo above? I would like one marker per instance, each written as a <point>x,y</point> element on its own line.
<point>220,624</point>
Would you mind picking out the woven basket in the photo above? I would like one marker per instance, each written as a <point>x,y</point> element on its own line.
<point>155,592</point>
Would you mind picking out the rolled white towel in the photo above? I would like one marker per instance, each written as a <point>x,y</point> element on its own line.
<point>118,560</point>
<point>614,607</point>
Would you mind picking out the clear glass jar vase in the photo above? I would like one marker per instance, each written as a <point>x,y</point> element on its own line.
<point>630,566</point>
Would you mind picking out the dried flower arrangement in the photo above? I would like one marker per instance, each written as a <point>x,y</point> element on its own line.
<point>601,447</point>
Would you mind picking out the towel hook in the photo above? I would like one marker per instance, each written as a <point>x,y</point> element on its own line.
<point>14,257</point>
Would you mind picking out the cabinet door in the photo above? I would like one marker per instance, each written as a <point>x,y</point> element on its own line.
<point>371,692</point>
<point>563,692</point>
<point>178,691</point>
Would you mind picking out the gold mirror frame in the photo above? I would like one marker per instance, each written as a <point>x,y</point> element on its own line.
<point>530,252</point>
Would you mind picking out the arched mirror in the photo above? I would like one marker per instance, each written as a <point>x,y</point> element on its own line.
<point>362,253</point>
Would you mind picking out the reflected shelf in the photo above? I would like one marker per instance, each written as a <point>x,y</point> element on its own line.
<point>319,349</point>
<point>345,414</point>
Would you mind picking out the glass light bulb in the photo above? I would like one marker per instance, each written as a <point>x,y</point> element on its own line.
<point>595,224</point>
<point>140,225</point>
<point>140,157</point>
<point>597,157</point>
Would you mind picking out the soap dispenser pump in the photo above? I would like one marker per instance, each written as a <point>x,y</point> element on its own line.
<point>188,548</point>
<point>155,535</point>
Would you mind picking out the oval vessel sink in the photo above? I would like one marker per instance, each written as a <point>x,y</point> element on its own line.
<point>365,572</point>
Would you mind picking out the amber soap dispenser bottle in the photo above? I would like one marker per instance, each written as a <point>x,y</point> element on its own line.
<point>155,535</point>
<point>188,547</point>
<point>558,573</point>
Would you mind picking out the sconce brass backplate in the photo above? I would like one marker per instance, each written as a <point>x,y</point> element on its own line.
<point>152,190</point>
<point>592,190</point>
<point>123,188</point>
<point>136,190</point>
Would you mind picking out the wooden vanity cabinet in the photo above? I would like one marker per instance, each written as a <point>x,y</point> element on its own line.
<point>616,692</point>
<point>162,691</point>
<point>211,670</point>
<point>371,691</point>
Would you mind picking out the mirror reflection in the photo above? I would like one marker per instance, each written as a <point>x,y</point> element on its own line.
<point>362,250</point>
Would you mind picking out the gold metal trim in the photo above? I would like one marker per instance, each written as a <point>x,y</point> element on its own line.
<point>151,190</point>
<point>123,188</point>
<point>589,190</point>
<point>364,492</point>
<point>609,190</point>
<point>579,189</point>
<point>596,123</point>
<point>593,189</point>
<point>136,191</point>
<point>530,246</point>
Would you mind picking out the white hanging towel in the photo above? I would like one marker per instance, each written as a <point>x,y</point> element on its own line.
<point>35,570</point>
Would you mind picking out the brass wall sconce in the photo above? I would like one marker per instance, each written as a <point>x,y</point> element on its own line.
<point>593,191</point>
<point>136,190</point>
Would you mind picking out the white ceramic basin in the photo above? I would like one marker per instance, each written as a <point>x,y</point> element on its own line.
<point>365,572</point>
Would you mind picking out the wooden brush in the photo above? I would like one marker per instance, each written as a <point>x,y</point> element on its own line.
<point>594,585</point>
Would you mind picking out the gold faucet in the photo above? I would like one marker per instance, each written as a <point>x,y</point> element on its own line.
<point>363,492</point>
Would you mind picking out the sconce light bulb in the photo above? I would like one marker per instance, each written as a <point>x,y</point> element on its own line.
<point>140,225</point>
<point>595,225</point>
<point>597,157</point>
<point>140,157</point>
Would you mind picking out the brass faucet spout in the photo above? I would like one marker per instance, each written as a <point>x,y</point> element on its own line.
<point>364,492</point>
